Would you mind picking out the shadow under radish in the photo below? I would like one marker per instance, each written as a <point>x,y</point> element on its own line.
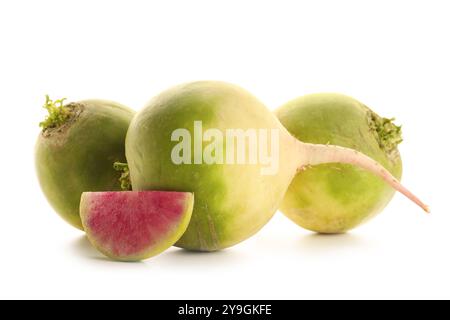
<point>82,247</point>
<point>323,243</point>
<point>178,256</point>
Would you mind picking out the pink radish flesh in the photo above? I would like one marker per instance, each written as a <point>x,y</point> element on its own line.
<point>126,224</point>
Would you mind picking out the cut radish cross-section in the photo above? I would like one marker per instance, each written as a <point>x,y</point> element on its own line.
<point>135,225</point>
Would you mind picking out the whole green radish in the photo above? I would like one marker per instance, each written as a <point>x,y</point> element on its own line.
<point>334,198</point>
<point>221,143</point>
<point>76,149</point>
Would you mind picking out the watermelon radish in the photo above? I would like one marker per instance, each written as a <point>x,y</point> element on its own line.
<point>75,150</point>
<point>135,225</point>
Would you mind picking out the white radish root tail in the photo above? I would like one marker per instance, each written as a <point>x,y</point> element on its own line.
<point>319,154</point>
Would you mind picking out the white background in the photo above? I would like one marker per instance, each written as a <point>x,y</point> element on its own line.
<point>392,55</point>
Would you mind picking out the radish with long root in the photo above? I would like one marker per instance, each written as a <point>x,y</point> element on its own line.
<point>332,197</point>
<point>233,198</point>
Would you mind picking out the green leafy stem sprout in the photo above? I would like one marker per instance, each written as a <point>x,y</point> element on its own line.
<point>58,113</point>
<point>389,135</point>
<point>125,182</point>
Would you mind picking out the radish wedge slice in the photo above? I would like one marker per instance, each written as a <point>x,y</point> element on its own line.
<point>135,225</point>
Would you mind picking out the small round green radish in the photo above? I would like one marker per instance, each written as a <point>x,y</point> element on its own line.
<point>233,200</point>
<point>334,198</point>
<point>134,226</point>
<point>75,150</point>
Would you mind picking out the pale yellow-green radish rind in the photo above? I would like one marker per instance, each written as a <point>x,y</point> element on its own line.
<point>165,243</point>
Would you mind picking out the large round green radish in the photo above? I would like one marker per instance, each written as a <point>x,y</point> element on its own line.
<point>218,141</point>
<point>76,149</point>
<point>334,198</point>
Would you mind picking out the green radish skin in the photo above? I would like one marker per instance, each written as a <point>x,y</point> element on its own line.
<point>232,201</point>
<point>76,154</point>
<point>335,198</point>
